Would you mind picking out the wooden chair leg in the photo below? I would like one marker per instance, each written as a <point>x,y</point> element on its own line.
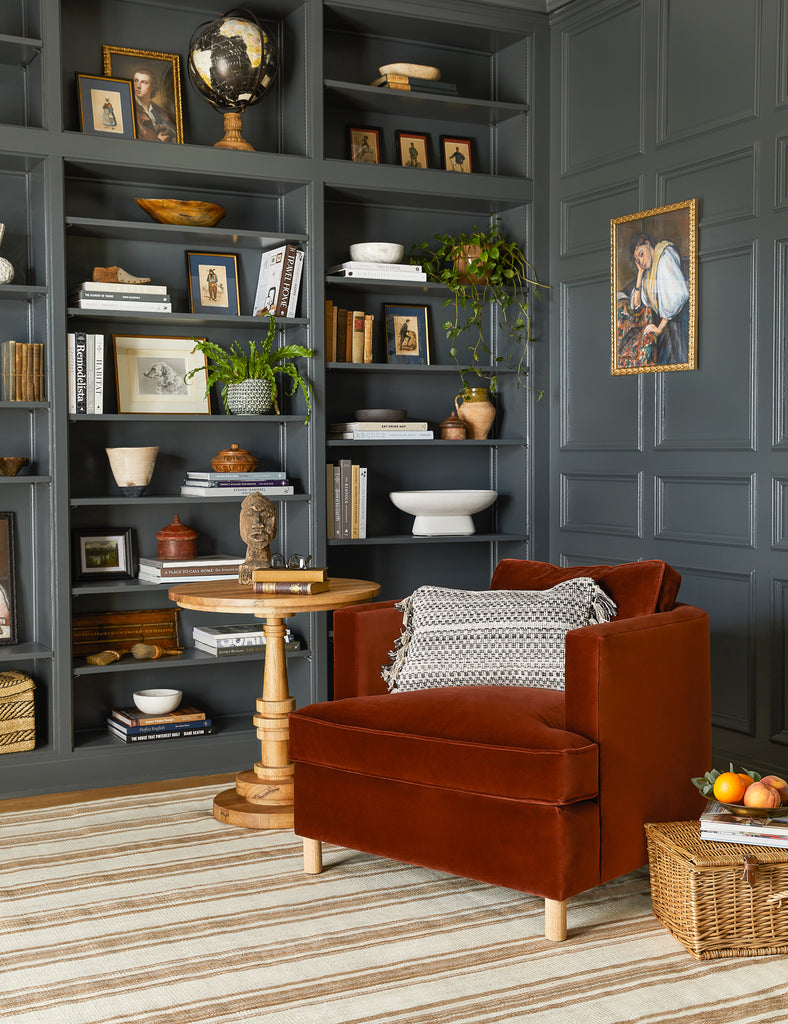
<point>555,920</point>
<point>313,856</point>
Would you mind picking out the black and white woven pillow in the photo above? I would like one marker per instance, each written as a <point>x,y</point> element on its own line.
<point>491,637</point>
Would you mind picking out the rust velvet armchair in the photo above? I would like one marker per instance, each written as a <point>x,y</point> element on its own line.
<point>541,790</point>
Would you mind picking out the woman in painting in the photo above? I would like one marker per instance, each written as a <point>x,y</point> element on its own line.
<point>661,286</point>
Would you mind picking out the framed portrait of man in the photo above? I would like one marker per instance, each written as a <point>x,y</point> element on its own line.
<point>653,277</point>
<point>407,337</point>
<point>156,82</point>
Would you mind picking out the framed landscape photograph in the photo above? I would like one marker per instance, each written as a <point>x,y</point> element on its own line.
<point>364,145</point>
<point>150,375</point>
<point>654,289</point>
<point>100,554</point>
<point>156,82</point>
<point>412,149</point>
<point>456,154</point>
<point>106,106</point>
<point>8,630</point>
<point>213,283</point>
<point>407,337</point>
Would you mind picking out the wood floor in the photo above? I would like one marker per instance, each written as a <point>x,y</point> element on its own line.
<point>31,803</point>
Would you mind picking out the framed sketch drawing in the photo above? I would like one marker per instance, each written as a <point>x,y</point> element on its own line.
<point>364,145</point>
<point>8,630</point>
<point>213,283</point>
<point>456,154</point>
<point>412,149</point>
<point>654,289</point>
<point>407,338</point>
<point>106,106</point>
<point>150,374</point>
<point>156,80</point>
<point>100,554</point>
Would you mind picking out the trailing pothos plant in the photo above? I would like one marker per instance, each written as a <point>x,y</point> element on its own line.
<point>482,268</point>
<point>230,366</point>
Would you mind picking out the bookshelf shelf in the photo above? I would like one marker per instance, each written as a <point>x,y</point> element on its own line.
<point>404,103</point>
<point>475,538</point>
<point>189,657</point>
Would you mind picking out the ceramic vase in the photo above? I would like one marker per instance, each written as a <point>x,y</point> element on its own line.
<point>6,270</point>
<point>249,397</point>
<point>132,468</point>
<point>477,412</point>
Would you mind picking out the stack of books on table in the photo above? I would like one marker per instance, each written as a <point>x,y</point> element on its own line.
<point>208,484</point>
<point>133,298</point>
<point>241,638</point>
<point>346,501</point>
<point>348,334</point>
<point>132,726</point>
<point>290,581</point>
<point>23,371</point>
<point>721,826</point>
<point>410,84</point>
<point>380,430</point>
<point>85,373</point>
<point>204,567</point>
<point>379,271</point>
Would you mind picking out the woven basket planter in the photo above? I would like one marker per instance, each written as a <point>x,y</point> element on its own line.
<point>17,713</point>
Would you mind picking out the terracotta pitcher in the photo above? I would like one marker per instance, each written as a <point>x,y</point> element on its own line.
<point>477,412</point>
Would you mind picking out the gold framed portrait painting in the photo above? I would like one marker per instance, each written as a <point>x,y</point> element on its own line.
<point>654,289</point>
<point>156,82</point>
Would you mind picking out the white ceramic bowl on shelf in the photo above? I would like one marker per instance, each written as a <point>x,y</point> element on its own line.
<point>443,513</point>
<point>157,702</point>
<point>377,252</point>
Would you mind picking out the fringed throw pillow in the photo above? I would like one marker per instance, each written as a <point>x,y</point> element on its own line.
<point>491,637</point>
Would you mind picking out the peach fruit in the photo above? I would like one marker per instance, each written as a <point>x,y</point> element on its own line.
<point>779,784</point>
<point>760,794</point>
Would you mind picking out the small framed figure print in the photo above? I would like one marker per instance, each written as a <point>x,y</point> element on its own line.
<point>156,80</point>
<point>8,631</point>
<point>150,373</point>
<point>100,554</point>
<point>407,338</point>
<point>364,145</point>
<point>213,283</point>
<point>106,106</point>
<point>412,149</point>
<point>456,154</point>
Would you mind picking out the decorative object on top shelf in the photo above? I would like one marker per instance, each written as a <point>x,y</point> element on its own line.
<point>232,63</point>
<point>192,212</point>
<point>482,268</point>
<point>10,465</point>
<point>132,468</point>
<point>156,78</point>
<point>443,513</point>
<point>364,144</point>
<point>152,375</point>
<point>234,460</point>
<point>176,541</point>
<point>6,269</point>
<point>157,702</point>
<point>106,106</point>
<point>424,71</point>
<point>258,528</point>
<point>477,412</point>
<point>237,370</point>
<point>101,554</point>
<point>377,252</point>
<point>213,283</point>
<point>407,335</point>
<point>413,149</point>
<point>8,627</point>
<point>456,154</point>
<point>117,275</point>
<point>453,428</point>
<point>17,712</point>
<point>380,415</point>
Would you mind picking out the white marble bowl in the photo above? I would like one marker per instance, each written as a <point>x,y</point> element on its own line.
<point>443,513</point>
<point>377,252</point>
<point>157,702</point>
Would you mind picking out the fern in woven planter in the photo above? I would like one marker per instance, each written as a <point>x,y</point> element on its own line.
<point>263,363</point>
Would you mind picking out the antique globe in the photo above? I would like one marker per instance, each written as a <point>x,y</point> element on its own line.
<point>232,62</point>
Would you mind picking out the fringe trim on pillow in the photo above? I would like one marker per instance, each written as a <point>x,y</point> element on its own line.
<point>602,608</point>
<point>400,652</point>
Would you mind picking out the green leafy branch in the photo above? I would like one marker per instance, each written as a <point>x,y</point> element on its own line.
<point>705,783</point>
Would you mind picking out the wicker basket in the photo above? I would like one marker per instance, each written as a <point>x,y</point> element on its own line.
<point>701,893</point>
<point>17,714</point>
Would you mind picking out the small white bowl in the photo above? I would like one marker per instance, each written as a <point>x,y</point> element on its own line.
<point>157,702</point>
<point>443,513</point>
<point>377,252</point>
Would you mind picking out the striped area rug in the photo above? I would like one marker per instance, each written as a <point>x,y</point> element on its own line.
<point>145,910</point>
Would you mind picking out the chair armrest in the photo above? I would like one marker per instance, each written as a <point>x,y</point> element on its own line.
<point>363,636</point>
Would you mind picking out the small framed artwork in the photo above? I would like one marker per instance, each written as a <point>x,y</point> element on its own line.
<point>150,374</point>
<point>106,106</point>
<point>8,630</point>
<point>213,283</point>
<point>101,554</point>
<point>456,154</point>
<point>407,337</point>
<point>412,149</point>
<point>653,284</point>
<point>156,82</point>
<point>364,145</point>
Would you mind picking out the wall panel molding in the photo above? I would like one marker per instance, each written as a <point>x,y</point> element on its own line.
<point>607,503</point>
<point>590,211</point>
<point>730,177</point>
<point>779,660</point>
<point>702,509</point>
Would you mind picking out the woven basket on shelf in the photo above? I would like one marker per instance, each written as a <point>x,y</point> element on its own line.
<point>17,715</point>
<point>700,892</point>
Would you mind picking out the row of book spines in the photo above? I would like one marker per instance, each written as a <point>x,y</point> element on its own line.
<point>172,734</point>
<point>348,334</point>
<point>230,652</point>
<point>142,730</point>
<point>346,500</point>
<point>22,365</point>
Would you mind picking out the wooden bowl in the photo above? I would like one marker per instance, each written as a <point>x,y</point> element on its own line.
<point>192,212</point>
<point>11,464</point>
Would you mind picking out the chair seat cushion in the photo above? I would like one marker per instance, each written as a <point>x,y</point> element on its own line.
<point>499,741</point>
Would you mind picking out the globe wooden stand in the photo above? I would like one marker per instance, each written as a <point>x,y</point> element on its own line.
<point>233,122</point>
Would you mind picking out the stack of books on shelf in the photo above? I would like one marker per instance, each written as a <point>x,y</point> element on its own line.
<point>379,271</point>
<point>132,298</point>
<point>273,484</point>
<point>410,84</point>
<point>380,430</point>
<point>22,365</point>
<point>290,581</point>
<point>241,638</point>
<point>279,281</point>
<point>85,373</point>
<point>204,567</point>
<point>348,334</point>
<point>346,501</point>
<point>132,726</point>
<point>721,826</point>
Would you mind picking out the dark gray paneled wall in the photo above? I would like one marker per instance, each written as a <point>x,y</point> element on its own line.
<point>655,102</point>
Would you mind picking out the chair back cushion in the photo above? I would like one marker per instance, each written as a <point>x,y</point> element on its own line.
<point>638,588</point>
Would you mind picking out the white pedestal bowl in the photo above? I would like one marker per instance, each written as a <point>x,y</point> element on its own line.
<point>443,513</point>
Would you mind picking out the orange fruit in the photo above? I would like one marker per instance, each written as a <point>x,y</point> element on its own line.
<point>746,779</point>
<point>729,788</point>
